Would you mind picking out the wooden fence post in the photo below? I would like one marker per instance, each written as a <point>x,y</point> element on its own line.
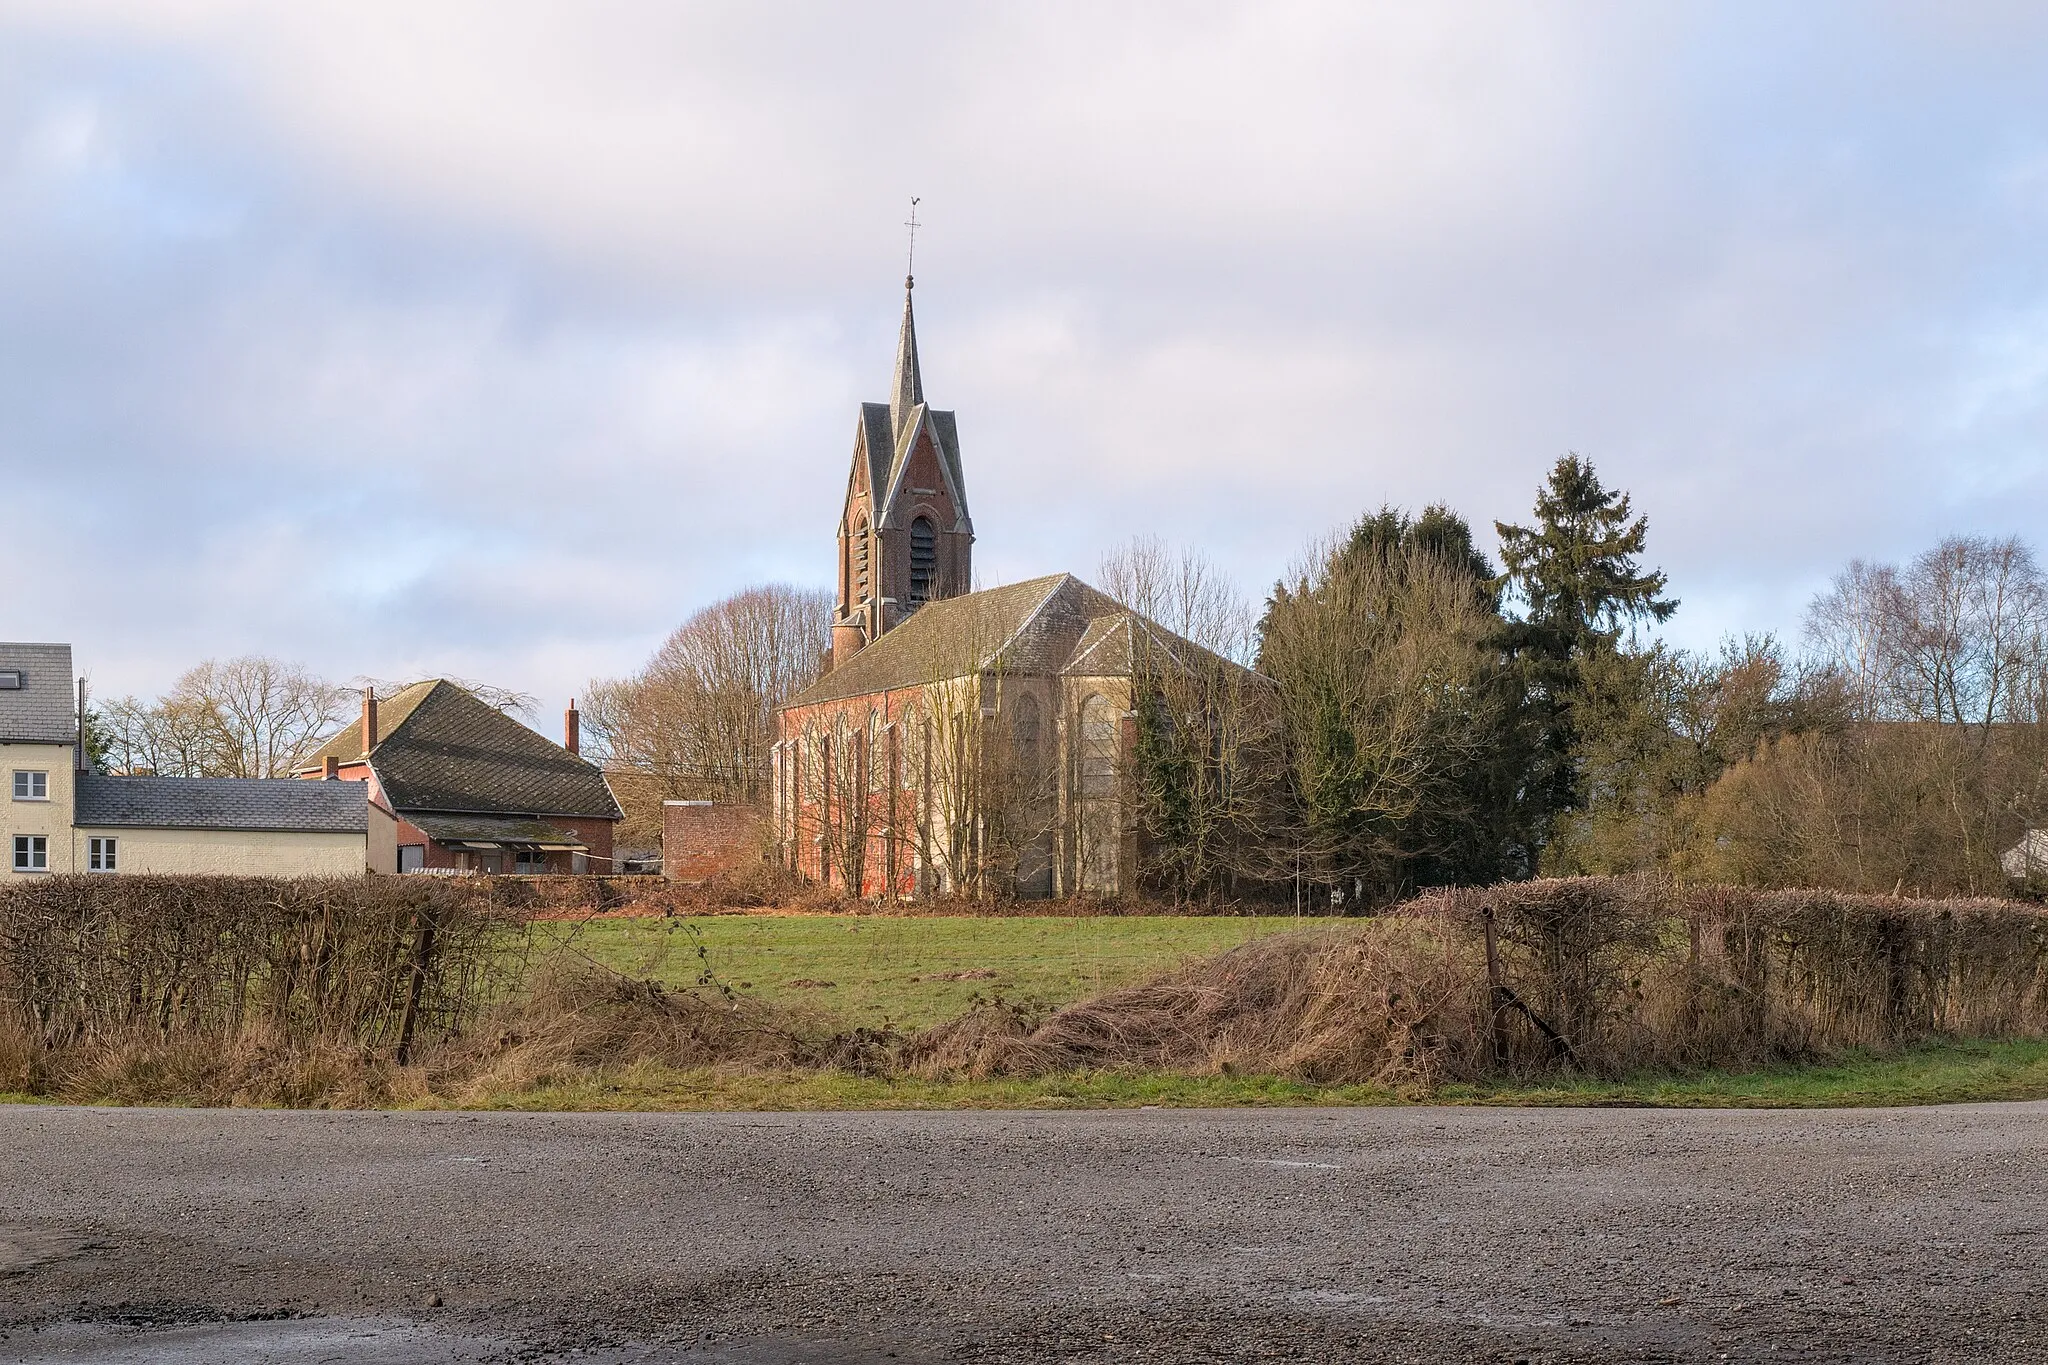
<point>422,955</point>
<point>1496,993</point>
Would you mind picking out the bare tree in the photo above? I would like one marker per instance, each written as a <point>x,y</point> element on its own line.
<point>1958,637</point>
<point>170,738</point>
<point>509,700</point>
<point>269,714</point>
<point>248,717</point>
<point>698,721</point>
<point>1183,591</point>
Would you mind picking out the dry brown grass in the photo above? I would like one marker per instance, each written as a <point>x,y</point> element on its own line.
<point>1387,1002</point>
<point>577,1016</point>
<point>1633,974</point>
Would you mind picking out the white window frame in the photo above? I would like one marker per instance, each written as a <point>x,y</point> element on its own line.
<point>102,853</point>
<point>31,853</point>
<point>28,780</point>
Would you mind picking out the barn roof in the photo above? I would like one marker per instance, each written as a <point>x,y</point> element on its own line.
<point>441,749</point>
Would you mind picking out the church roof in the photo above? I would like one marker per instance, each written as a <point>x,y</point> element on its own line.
<point>906,392</point>
<point>1051,625</point>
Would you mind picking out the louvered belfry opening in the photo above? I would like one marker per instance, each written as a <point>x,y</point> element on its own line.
<point>924,560</point>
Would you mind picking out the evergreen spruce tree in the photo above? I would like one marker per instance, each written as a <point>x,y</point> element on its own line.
<point>1582,592</point>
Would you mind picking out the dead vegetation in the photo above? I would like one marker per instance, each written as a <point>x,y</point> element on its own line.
<point>1600,976</point>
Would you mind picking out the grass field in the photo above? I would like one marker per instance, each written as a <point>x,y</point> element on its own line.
<point>1945,1073</point>
<point>911,972</point>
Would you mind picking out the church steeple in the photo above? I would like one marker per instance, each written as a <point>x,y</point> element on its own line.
<point>904,534</point>
<point>908,390</point>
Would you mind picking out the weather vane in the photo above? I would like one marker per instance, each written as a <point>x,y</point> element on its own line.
<point>910,262</point>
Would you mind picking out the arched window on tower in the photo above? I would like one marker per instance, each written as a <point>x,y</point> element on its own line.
<point>860,561</point>
<point>924,560</point>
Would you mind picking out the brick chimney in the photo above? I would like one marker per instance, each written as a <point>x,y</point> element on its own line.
<point>572,729</point>
<point>369,719</point>
<point>331,770</point>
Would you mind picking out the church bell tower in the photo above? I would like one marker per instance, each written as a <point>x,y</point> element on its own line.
<point>905,538</point>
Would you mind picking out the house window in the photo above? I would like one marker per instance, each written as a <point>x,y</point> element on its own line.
<point>31,786</point>
<point>10,680</point>
<point>530,862</point>
<point>100,854</point>
<point>924,560</point>
<point>31,853</point>
<point>412,857</point>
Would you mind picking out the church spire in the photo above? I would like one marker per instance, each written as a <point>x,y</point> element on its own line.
<point>908,390</point>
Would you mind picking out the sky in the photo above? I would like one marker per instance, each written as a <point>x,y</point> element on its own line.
<point>493,339</point>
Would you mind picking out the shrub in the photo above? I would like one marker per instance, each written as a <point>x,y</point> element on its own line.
<point>367,961</point>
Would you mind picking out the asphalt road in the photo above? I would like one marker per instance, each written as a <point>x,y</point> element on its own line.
<point>1410,1234</point>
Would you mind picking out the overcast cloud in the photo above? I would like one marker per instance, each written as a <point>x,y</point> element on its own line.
<point>494,338</point>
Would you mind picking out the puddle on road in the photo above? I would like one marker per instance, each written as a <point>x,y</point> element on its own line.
<point>360,1341</point>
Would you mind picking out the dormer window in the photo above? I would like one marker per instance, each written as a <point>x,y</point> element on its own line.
<point>10,680</point>
<point>924,560</point>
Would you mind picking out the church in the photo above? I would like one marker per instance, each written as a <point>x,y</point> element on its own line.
<point>959,742</point>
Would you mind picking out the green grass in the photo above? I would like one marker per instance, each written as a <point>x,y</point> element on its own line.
<point>1965,1071</point>
<point>882,969</point>
<point>1944,1073</point>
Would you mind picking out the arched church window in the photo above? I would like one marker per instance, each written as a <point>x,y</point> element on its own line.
<point>1024,722</point>
<point>860,561</point>
<point>1098,746</point>
<point>924,560</point>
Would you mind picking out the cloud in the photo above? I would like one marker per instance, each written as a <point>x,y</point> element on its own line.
<point>493,338</point>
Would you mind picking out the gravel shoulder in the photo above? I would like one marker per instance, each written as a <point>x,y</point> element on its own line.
<point>1403,1234</point>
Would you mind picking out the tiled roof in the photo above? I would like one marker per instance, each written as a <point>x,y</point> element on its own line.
<point>44,709</point>
<point>440,749</point>
<point>880,446</point>
<point>946,428</point>
<point>510,830</point>
<point>346,746</point>
<point>1042,626</point>
<point>949,638</point>
<point>246,803</point>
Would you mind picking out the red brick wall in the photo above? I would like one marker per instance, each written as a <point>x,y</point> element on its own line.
<point>700,840</point>
<point>805,819</point>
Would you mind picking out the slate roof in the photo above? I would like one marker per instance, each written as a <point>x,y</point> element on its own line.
<point>1042,626</point>
<point>512,830</point>
<point>44,710</point>
<point>889,430</point>
<point>440,749</point>
<point>242,803</point>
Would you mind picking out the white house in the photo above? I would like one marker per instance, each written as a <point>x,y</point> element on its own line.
<point>62,817</point>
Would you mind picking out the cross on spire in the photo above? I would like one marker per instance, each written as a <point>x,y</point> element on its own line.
<point>910,261</point>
